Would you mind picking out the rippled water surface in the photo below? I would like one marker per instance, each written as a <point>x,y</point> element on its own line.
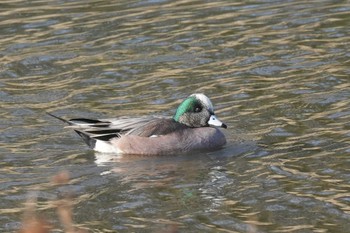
<point>276,71</point>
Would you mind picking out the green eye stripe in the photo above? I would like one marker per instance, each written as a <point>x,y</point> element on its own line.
<point>184,107</point>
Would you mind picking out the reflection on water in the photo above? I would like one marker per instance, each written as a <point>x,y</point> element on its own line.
<point>276,72</point>
<point>142,171</point>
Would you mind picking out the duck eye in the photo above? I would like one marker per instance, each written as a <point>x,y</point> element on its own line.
<point>197,109</point>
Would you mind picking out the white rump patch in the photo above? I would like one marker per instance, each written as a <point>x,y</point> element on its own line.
<point>106,147</point>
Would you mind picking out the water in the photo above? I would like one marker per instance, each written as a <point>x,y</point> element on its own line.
<point>276,71</point>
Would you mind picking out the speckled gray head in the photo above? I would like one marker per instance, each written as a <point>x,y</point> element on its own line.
<point>197,111</point>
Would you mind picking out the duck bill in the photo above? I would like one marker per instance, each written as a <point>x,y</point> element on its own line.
<point>214,121</point>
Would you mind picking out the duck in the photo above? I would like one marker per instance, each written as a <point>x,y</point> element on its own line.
<point>193,127</point>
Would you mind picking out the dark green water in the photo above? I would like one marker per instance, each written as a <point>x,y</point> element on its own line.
<point>276,71</point>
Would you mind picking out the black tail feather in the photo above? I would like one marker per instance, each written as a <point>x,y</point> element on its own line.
<point>90,141</point>
<point>87,121</point>
<point>104,131</point>
<point>59,118</point>
<point>107,137</point>
<point>82,121</point>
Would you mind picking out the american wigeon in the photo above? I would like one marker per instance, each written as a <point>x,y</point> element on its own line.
<point>193,127</point>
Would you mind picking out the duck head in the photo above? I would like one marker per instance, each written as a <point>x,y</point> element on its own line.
<point>197,111</point>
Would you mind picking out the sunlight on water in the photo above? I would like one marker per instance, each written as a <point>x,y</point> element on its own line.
<point>276,72</point>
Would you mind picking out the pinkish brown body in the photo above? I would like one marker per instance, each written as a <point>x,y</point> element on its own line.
<point>186,140</point>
